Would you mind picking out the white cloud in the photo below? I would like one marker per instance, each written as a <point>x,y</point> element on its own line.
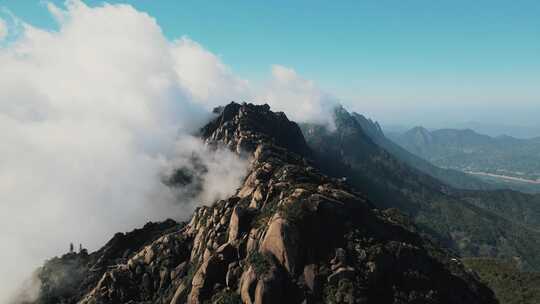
<point>204,75</point>
<point>3,29</point>
<point>301,99</point>
<point>92,115</point>
<point>89,118</point>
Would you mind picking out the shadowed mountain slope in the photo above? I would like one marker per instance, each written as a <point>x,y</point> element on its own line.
<point>453,178</point>
<point>510,285</point>
<point>467,150</point>
<point>520,207</point>
<point>453,217</point>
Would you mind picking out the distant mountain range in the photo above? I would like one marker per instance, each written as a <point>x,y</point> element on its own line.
<point>451,177</point>
<point>494,130</point>
<point>466,150</point>
<point>490,129</point>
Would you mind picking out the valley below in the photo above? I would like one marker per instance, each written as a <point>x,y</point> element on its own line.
<point>505,177</point>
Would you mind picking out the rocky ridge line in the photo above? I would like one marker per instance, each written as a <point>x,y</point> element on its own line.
<point>290,235</point>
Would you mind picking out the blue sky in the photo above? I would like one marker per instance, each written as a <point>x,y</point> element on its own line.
<point>422,55</point>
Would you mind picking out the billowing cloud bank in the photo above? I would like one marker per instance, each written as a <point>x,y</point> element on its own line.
<point>301,99</point>
<point>93,114</point>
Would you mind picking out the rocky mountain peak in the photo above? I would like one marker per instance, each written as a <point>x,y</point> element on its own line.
<point>372,128</point>
<point>290,234</point>
<point>420,135</point>
<point>419,130</point>
<point>243,126</point>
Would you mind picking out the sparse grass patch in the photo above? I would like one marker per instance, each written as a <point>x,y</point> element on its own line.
<point>342,293</point>
<point>226,297</point>
<point>265,214</point>
<point>293,212</point>
<point>260,263</point>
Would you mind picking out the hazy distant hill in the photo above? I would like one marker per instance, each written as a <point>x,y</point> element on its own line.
<point>494,129</point>
<point>513,205</point>
<point>453,178</point>
<point>467,150</point>
<point>490,129</point>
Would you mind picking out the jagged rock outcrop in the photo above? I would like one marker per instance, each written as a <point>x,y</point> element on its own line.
<point>68,278</point>
<point>289,235</point>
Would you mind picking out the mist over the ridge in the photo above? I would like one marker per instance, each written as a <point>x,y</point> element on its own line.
<point>95,114</point>
<point>91,116</point>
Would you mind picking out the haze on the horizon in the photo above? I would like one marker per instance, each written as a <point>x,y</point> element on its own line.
<point>430,63</point>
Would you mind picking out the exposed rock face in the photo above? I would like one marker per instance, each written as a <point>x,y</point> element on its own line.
<point>289,235</point>
<point>68,278</point>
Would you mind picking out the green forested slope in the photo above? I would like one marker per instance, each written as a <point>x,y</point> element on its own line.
<point>510,285</point>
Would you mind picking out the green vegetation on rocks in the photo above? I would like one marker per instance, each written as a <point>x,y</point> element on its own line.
<point>511,286</point>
